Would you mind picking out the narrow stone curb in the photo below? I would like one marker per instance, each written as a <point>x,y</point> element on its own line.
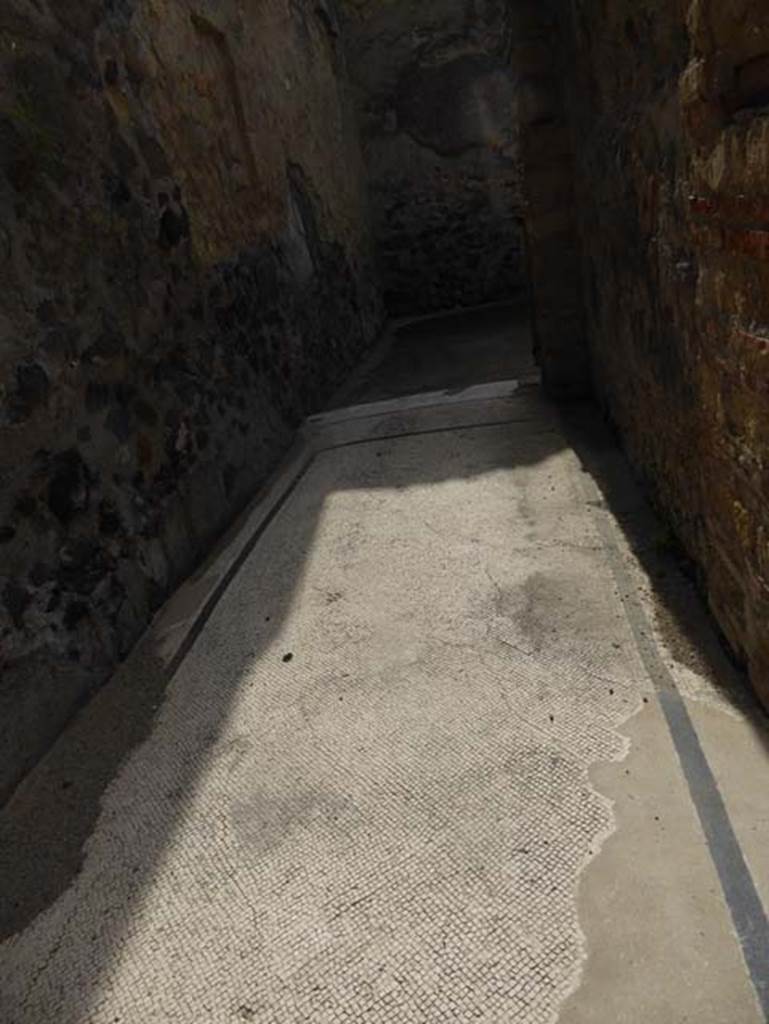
<point>428,400</point>
<point>179,622</point>
<point>174,635</point>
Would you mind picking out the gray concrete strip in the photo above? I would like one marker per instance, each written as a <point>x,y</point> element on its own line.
<point>734,742</point>
<point>660,943</point>
<point>748,914</point>
<point>739,890</point>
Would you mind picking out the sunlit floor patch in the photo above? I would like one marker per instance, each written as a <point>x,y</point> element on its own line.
<point>369,793</point>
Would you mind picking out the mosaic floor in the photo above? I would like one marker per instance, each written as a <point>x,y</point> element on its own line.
<point>368,792</point>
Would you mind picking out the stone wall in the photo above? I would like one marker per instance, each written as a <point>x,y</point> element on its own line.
<point>436,95</point>
<point>541,54</point>
<point>186,273</point>
<point>671,115</point>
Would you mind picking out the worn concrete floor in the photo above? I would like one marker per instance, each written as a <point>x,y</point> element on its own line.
<point>440,733</point>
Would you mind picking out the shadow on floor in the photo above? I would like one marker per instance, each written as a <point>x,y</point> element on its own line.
<point>44,831</point>
<point>689,631</point>
<point>446,353</point>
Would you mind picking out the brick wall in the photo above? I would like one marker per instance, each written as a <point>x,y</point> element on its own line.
<point>670,114</point>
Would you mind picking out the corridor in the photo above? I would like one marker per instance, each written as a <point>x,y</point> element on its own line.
<point>441,732</point>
